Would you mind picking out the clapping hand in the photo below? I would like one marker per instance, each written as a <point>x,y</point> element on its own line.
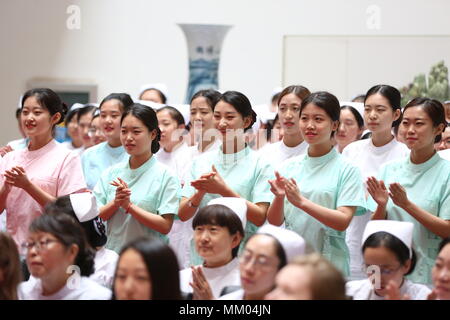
<point>123,193</point>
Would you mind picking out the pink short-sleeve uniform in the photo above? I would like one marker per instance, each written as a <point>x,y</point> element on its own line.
<point>53,168</point>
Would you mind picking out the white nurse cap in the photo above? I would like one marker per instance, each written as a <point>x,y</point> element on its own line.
<point>76,106</point>
<point>359,106</point>
<point>237,205</point>
<point>158,86</point>
<point>84,205</point>
<point>292,243</point>
<point>399,229</point>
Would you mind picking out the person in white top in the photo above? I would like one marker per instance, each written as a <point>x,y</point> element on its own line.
<point>445,154</point>
<point>83,207</point>
<point>292,143</point>
<point>201,119</point>
<point>388,258</point>
<point>60,260</point>
<point>351,126</point>
<point>265,253</point>
<point>382,111</point>
<point>218,231</point>
<point>172,154</point>
<point>207,139</point>
<point>147,270</point>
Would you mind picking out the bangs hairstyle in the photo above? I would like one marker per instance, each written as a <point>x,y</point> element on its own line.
<point>434,109</point>
<point>222,216</point>
<point>124,100</point>
<point>300,91</point>
<point>148,117</point>
<point>68,232</point>
<point>242,105</point>
<point>49,100</point>
<point>161,264</point>
<point>174,114</point>
<point>211,97</point>
<point>391,94</point>
<point>394,244</point>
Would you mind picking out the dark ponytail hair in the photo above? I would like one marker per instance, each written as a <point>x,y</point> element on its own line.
<point>69,232</point>
<point>391,94</point>
<point>433,108</point>
<point>124,99</point>
<point>394,244</point>
<point>242,105</point>
<point>49,100</point>
<point>148,117</point>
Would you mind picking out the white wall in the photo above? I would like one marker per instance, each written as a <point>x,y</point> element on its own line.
<point>125,43</point>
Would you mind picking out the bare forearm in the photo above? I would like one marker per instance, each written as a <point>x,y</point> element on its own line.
<point>257,213</point>
<point>334,219</point>
<point>39,195</point>
<point>275,214</point>
<point>380,213</point>
<point>185,212</point>
<point>108,210</point>
<point>151,220</point>
<point>438,226</point>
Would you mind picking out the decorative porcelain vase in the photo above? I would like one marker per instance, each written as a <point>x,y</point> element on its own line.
<point>204,43</point>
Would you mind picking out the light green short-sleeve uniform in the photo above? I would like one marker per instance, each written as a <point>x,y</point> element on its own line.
<point>153,188</point>
<point>329,181</point>
<point>428,186</point>
<point>244,172</point>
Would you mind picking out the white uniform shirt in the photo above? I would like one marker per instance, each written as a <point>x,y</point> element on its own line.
<point>276,153</point>
<point>445,154</point>
<point>363,290</point>
<point>368,158</point>
<point>218,278</point>
<point>105,267</point>
<point>175,160</point>
<point>87,290</point>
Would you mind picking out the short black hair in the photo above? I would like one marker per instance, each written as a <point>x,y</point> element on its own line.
<point>220,215</point>
<point>69,232</point>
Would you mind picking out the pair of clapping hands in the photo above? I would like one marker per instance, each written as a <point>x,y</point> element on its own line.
<point>282,187</point>
<point>123,194</point>
<point>16,177</point>
<point>381,195</point>
<point>211,182</point>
